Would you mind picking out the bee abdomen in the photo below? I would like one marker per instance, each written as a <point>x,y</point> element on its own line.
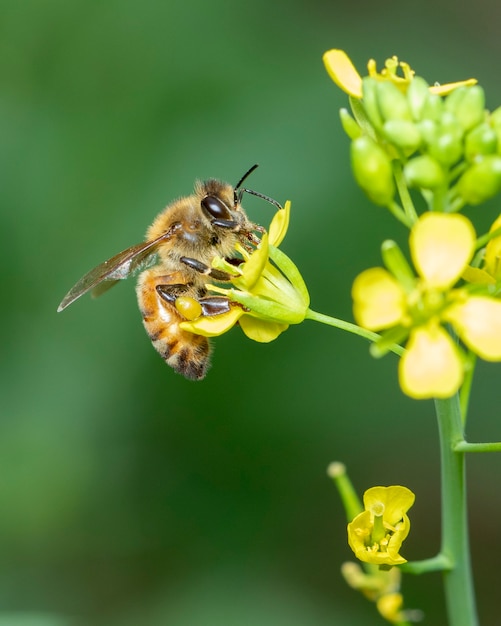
<point>189,358</point>
<point>187,353</point>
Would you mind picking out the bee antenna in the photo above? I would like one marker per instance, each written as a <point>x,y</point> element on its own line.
<point>239,191</point>
<point>259,195</point>
<point>246,175</point>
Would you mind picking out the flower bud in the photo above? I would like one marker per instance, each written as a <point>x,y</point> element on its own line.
<point>480,141</point>
<point>425,172</point>
<point>350,126</point>
<point>372,169</point>
<point>392,103</point>
<point>446,148</point>
<point>417,96</point>
<point>481,181</point>
<point>402,134</point>
<point>370,102</point>
<point>432,108</point>
<point>467,104</point>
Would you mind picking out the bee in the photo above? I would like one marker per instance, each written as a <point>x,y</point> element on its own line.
<point>174,261</point>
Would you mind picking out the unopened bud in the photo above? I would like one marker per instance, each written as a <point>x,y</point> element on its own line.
<point>481,181</point>
<point>480,141</point>
<point>372,169</point>
<point>417,96</point>
<point>393,105</point>
<point>468,105</point>
<point>402,134</point>
<point>424,172</point>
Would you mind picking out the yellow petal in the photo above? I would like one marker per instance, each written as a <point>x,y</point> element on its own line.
<point>431,366</point>
<point>279,225</point>
<point>343,72</point>
<point>395,499</point>
<point>253,267</point>
<point>478,322</point>
<point>441,247</point>
<point>443,90</point>
<point>378,299</point>
<point>213,325</point>
<point>390,605</point>
<point>261,330</point>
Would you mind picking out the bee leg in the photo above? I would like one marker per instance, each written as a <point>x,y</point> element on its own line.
<point>170,293</point>
<point>214,305</point>
<point>202,268</point>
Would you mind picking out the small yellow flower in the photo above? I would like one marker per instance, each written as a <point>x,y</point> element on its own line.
<point>441,247</point>
<point>267,293</point>
<point>343,73</point>
<point>376,534</point>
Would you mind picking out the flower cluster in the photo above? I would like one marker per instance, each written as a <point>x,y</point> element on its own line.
<point>441,141</point>
<point>421,307</point>
<point>448,144</point>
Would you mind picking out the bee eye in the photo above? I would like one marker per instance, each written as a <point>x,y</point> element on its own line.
<point>216,208</point>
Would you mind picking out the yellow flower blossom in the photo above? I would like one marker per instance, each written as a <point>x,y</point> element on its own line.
<point>376,534</point>
<point>343,73</point>
<point>441,247</point>
<point>267,293</point>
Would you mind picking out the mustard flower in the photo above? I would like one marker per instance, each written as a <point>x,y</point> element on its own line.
<point>419,308</point>
<point>267,293</point>
<point>344,74</point>
<point>376,534</point>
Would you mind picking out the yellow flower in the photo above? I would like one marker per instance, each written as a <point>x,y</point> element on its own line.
<point>403,305</point>
<point>267,294</point>
<point>343,73</point>
<point>376,534</point>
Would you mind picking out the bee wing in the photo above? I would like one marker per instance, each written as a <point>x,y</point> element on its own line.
<point>121,266</point>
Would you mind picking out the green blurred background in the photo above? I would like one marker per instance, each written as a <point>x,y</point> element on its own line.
<point>127,494</point>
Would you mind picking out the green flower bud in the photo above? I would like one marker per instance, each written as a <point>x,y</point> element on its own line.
<point>450,124</point>
<point>432,108</point>
<point>481,140</point>
<point>372,169</point>
<point>495,117</point>
<point>417,96</point>
<point>350,126</point>
<point>369,99</point>
<point>481,181</point>
<point>428,130</point>
<point>446,148</point>
<point>393,105</point>
<point>402,134</point>
<point>468,105</point>
<point>425,172</point>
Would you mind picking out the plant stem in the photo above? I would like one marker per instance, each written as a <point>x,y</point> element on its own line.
<point>404,194</point>
<point>348,326</point>
<point>458,582</point>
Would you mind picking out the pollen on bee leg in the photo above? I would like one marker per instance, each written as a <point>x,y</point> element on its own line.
<point>188,307</point>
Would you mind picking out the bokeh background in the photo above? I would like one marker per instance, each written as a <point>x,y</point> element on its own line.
<point>127,494</point>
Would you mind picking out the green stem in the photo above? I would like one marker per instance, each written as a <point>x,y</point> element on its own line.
<point>439,563</point>
<point>458,582</point>
<point>351,328</point>
<point>488,446</point>
<point>403,192</point>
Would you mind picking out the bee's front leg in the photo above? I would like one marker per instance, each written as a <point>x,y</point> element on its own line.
<point>202,268</point>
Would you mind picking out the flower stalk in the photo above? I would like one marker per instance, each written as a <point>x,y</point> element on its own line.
<point>458,580</point>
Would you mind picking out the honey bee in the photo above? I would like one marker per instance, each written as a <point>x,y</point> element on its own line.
<point>174,261</point>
